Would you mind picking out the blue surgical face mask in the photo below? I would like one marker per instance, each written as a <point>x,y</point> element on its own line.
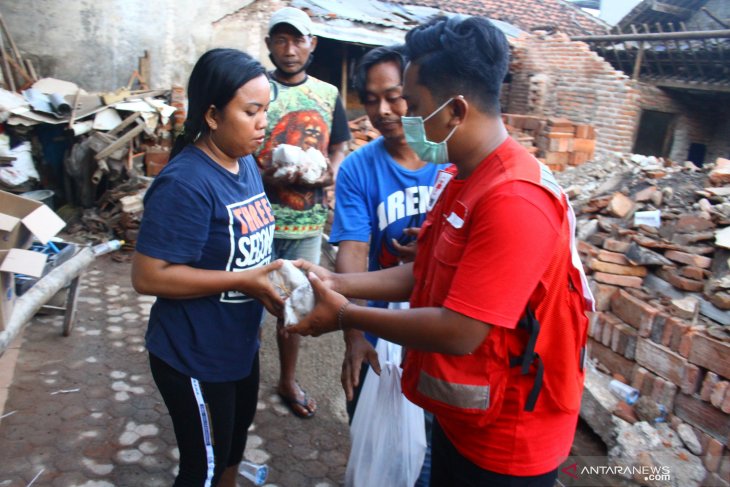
<point>426,150</point>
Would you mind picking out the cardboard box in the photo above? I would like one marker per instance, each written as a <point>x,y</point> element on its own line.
<point>21,219</point>
<point>16,261</point>
<point>23,282</point>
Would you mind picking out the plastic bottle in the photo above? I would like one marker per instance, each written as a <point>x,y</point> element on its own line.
<point>624,391</point>
<point>106,247</point>
<point>254,472</point>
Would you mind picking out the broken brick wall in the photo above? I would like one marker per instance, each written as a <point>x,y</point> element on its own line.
<point>555,77</point>
<point>698,119</point>
<point>661,322</point>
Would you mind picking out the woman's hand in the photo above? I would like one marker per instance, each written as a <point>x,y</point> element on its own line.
<point>257,284</point>
<point>324,316</point>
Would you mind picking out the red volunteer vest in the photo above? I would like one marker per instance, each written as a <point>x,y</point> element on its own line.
<point>471,387</point>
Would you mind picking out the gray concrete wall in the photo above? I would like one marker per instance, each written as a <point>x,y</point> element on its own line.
<point>97,43</point>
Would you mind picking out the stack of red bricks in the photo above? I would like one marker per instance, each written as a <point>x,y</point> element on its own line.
<point>557,142</point>
<point>524,129</point>
<point>662,345</point>
<point>362,132</point>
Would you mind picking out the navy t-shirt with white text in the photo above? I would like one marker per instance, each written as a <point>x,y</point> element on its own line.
<point>198,214</point>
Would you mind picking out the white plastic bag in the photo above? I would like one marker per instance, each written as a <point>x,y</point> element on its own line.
<point>294,287</point>
<point>387,431</point>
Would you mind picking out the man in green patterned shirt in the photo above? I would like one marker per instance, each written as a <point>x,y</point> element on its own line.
<point>305,142</point>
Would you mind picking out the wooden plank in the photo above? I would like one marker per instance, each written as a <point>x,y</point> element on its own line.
<point>627,49</point>
<point>656,36</point>
<point>20,70</point>
<point>31,69</point>
<point>125,123</point>
<point>714,17</point>
<point>711,87</point>
<point>692,50</point>
<point>120,142</point>
<point>145,70</point>
<point>13,47</point>
<point>74,107</point>
<point>616,56</point>
<point>667,8</point>
<point>654,54</point>
<point>669,49</point>
<point>7,74</point>
<point>637,63</point>
<point>711,354</point>
<point>702,415</point>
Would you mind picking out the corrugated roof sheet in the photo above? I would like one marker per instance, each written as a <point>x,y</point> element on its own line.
<point>525,14</point>
<point>372,22</point>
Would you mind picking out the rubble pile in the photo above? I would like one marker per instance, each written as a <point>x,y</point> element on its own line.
<point>96,151</point>
<point>655,241</point>
<point>557,142</point>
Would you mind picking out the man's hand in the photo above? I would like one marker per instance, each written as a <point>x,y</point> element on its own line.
<point>323,318</point>
<point>407,252</point>
<point>328,277</point>
<point>358,350</point>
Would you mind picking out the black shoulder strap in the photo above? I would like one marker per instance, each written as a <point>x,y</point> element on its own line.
<point>531,325</point>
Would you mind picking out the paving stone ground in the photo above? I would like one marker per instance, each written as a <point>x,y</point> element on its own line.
<point>83,410</point>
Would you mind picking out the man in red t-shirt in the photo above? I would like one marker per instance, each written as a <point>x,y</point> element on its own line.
<point>497,327</point>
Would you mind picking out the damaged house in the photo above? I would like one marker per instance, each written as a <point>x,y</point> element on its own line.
<point>653,231</point>
<point>677,51</point>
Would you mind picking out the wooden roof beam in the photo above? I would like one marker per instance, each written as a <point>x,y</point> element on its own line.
<point>667,8</point>
<point>657,36</point>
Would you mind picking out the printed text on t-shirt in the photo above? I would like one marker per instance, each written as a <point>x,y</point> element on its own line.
<point>400,204</point>
<point>252,236</point>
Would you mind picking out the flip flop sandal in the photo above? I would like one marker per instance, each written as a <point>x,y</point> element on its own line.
<point>292,404</point>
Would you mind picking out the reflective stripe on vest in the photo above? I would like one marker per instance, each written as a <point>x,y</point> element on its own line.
<point>458,395</point>
<point>548,181</point>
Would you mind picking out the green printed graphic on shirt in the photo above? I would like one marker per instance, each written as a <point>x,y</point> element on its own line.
<point>301,116</point>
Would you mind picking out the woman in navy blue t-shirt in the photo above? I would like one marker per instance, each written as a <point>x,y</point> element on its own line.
<point>204,249</point>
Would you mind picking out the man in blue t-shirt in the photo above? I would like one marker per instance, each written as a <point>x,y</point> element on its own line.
<point>382,196</point>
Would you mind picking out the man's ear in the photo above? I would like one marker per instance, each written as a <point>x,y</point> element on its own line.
<point>211,118</point>
<point>314,43</point>
<point>459,110</point>
<point>267,40</point>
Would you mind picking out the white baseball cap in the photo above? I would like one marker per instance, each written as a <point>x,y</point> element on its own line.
<point>294,17</point>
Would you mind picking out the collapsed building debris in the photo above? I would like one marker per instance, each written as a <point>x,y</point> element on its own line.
<point>662,323</point>
<point>96,152</point>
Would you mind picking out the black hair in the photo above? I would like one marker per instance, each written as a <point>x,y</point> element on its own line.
<point>460,56</point>
<point>215,78</point>
<point>373,57</point>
